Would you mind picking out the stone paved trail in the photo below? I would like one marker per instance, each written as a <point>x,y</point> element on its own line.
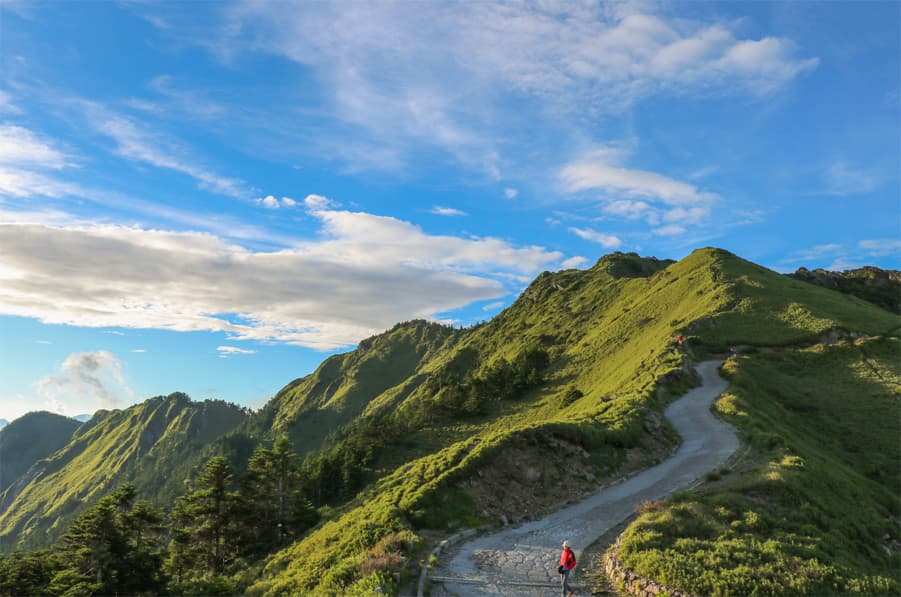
<point>522,561</point>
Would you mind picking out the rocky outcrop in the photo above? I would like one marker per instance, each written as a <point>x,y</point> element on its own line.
<point>630,581</point>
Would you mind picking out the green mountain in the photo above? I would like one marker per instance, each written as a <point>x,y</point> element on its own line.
<point>425,429</point>
<point>153,445</point>
<point>30,438</point>
<point>578,361</point>
<point>878,286</point>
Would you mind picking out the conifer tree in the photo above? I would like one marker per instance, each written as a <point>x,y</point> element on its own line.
<point>273,509</point>
<point>203,524</point>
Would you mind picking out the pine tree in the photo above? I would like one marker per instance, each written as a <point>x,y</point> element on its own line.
<point>273,509</point>
<point>113,548</point>
<point>204,541</point>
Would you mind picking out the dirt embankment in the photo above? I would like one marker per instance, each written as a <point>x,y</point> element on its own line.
<point>538,472</point>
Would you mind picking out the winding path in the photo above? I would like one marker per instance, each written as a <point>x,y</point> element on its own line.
<point>522,561</point>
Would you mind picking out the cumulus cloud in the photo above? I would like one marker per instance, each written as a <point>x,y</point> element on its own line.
<point>272,202</point>
<point>92,379</point>
<point>318,202</point>
<point>447,211</point>
<point>365,273</point>
<point>605,240</point>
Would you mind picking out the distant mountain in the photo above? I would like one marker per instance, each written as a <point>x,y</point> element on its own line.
<point>30,438</point>
<point>878,286</point>
<point>83,418</point>
<point>3,423</point>
<point>153,445</point>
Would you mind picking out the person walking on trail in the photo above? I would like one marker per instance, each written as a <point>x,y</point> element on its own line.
<point>567,563</point>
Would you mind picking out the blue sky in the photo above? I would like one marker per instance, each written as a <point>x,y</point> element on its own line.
<point>212,197</point>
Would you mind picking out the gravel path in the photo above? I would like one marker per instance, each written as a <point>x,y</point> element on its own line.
<point>522,561</point>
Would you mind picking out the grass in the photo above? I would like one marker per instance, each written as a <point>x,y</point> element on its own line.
<point>609,335</point>
<point>810,518</point>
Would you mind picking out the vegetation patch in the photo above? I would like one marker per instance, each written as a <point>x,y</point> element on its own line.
<point>817,517</point>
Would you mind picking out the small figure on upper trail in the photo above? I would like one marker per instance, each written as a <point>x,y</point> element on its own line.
<point>679,341</point>
<point>567,563</point>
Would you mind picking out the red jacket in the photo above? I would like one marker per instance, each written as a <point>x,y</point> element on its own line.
<point>568,559</point>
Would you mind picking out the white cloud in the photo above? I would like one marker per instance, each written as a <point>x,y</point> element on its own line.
<point>882,247</point>
<point>43,342</point>
<point>114,332</point>
<point>447,211</point>
<point>605,240</point>
<point>318,202</point>
<point>627,208</point>
<point>22,147</point>
<point>601,170</point>
<point>271,202</point>
<point>574,262</point>
<point>138,142</point>
<point>493,306</point>
<point>229,350</point>
<point>396,78</point>
<point>268,202</point>
<point>671,230</point>
<point>88,380</point>
<point>366,273</point>
<point>510,193</point>
<point>139,350</point>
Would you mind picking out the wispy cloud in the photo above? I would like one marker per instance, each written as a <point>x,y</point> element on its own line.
<point>510,193</point>
<point>401,80</point>
<point>881,247</point>
<point>225,351</point>
<point>605,240</point>
<point>22,147</point>
<point>140,142</point>
<point>447,211</point>
<point>602,170</point>
<point>364,274</point>
<point>844,179</point>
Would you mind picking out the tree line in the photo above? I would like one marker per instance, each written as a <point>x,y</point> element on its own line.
<point>124,546</point>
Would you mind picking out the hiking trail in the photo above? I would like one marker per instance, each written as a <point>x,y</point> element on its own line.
<point>522,561</point>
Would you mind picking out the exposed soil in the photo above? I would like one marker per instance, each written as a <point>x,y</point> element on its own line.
<point>526,481</point>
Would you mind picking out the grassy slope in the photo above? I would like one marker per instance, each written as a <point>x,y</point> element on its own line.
<point>149,444</point>
<point>608,335</point>
<point>30,438</point>
<point>810,518</point>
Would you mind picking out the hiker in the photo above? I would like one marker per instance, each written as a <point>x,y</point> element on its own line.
<point>567,563</point>
<point>679,341</point>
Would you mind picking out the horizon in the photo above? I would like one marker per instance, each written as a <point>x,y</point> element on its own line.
<point>213,198</point>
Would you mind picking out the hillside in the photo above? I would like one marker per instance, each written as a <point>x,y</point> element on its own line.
<point>878,286</point>
<point>152,445</point>
<point>813,507</point>
<point>607,336</point>
<point>425,429</point>
<point>30,438</point>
